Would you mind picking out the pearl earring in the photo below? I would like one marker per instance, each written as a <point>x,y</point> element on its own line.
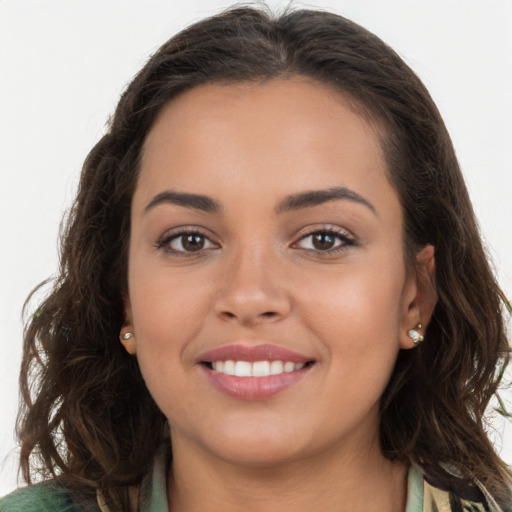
<point>415,335</point>
<point>128,341</point>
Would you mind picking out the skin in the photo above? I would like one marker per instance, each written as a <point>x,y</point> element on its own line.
<point>259,278</point>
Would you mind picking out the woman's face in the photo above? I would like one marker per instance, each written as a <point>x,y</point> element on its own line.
<point>267,242</point>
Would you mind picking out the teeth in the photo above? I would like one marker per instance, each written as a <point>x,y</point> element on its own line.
<point>276,367</point>
<point>260,369</point>
<point>256,369</point>
<point>218,366</point>
<point>229,367</point>
<point>243,369</point>
<point>288,367</point>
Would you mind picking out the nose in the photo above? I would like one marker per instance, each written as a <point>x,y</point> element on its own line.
<point>252,291</point>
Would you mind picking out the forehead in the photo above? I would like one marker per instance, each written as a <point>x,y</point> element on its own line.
<point>292,134</point>
<point>279,104</point>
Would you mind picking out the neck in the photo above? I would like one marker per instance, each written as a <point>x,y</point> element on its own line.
<point>345,482</point>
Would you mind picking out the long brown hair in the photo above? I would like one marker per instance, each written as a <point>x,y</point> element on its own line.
<point>87,416</point>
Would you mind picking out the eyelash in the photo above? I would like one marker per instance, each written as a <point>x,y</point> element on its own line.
<point>164,243</point>
<point>343,237</point>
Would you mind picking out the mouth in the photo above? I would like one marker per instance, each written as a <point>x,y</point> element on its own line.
<point>263,368</point>
<point>254,372</point>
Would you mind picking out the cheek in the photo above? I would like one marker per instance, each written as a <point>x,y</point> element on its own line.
<point>168,310</point>
<point>364,298</point>
<point>356,312</point>
<point>164,301</point>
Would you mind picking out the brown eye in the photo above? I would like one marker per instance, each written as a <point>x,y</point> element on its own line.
<point>323,241</point>
<point>187,243</point>
<point>192,242</point>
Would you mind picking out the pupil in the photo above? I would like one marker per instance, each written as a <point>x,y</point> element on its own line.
<point>323,241</point>
<point>193,242</point>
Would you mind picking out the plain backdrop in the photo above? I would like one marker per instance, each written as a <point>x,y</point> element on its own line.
<point>63,65</point>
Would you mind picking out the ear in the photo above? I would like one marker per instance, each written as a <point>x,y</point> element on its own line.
<point>127,335</point>
<point>420,296</point>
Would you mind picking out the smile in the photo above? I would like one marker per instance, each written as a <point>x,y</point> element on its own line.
<point>255,369</point>
<point>254,372</point>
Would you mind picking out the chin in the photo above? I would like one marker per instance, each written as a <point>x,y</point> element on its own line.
<point>258,444</point>
<point>258,456</point>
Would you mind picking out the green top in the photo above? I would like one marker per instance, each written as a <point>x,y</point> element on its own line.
<point>422,496</point>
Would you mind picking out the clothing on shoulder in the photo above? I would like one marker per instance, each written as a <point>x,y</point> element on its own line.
<point>423,495</point>
<point>43,497</point>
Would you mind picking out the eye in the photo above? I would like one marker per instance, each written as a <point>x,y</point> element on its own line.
<point>186,242</point>
<point>324,241</point>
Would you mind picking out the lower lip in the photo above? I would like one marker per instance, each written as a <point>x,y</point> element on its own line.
<point>254,388</point>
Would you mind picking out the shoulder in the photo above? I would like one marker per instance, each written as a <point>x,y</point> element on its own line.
<point>461,497</point>
<point>44,497</point>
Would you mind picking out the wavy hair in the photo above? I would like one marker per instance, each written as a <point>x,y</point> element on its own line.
<point>87,417</point>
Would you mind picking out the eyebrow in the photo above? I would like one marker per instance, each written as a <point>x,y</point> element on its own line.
<point>318,197</point>
<point>291,203</point>
<point>194,201</point>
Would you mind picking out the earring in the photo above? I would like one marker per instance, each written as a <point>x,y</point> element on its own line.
<point>128,342</point>
<point>415,335</point>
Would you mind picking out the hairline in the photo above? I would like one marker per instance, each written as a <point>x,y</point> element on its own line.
<point>380,125</point>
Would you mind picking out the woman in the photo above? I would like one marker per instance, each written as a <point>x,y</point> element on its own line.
<point>273,295</point>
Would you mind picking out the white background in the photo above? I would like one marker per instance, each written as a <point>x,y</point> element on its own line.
<point>63,65</point>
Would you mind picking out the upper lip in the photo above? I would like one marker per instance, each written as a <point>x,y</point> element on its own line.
<point>252,353</point>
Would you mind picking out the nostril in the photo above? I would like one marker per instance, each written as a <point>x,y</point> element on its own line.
<point>266,315</point>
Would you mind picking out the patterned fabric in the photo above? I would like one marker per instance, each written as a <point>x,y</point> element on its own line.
<point>423,496</point>
<point>474,499</point>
